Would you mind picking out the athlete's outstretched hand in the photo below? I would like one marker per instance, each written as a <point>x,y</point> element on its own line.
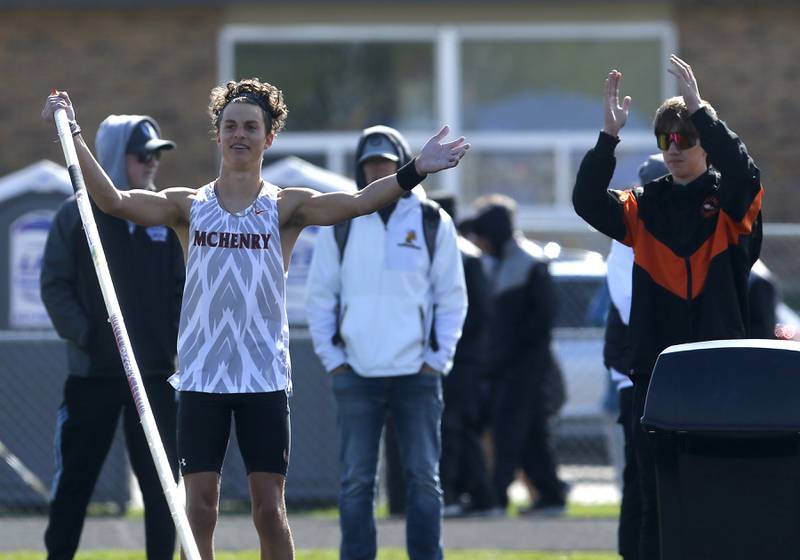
<point>616,115</point>
<point>436,156</point>
<point>57,100</point>
<point>687,84</point>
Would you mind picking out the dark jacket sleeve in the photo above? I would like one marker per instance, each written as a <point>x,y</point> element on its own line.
<point>763,299</point>
<point>590,197</point>
<point>542,292</point>
<point>59,277</point>
<point>740,185</point>
<point>477,295</point>
<point>617,348</point>
<point>180,280</point>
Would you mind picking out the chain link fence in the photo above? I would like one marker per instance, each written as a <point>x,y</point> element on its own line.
<point>585,436</point>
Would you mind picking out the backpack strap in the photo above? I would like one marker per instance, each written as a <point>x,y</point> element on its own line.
<point>340,233</point>
<point>430,225</point>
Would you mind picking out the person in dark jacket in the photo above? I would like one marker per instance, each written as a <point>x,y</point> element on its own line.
<point>463,468</point>
<point>522,312</point>
<point>142,261</point>
<point>695,234</point>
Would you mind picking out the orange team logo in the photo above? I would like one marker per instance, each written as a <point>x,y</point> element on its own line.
<point>621,196</point>
<point>410,240</point>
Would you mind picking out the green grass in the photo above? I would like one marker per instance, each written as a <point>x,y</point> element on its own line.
<point>385,554</point>
<point>576,511</point>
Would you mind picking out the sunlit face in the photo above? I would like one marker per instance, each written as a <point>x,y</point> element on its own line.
<point>378,168</point>
<point>242,136</point>
<point>142,170</point>
<point>687,164</point>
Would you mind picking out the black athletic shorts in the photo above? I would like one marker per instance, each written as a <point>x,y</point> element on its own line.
<point>262,429</point>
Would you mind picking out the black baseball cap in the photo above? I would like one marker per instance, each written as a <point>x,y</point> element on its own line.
<point>145,138</point>
<point>379,146</point>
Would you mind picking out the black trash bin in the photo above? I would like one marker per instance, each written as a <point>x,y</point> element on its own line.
<point>725,420</point>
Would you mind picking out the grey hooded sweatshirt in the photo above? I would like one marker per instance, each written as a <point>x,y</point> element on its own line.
<point>147,270</point>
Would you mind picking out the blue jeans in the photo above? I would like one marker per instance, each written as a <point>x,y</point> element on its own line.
<point>415,402</point>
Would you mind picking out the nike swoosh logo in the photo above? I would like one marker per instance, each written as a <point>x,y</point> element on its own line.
<point>259,212</point>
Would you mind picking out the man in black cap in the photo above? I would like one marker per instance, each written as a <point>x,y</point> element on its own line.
<point>142,262</point>
<point>386,304</point>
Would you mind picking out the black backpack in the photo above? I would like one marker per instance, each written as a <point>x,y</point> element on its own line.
<point>430,227</point>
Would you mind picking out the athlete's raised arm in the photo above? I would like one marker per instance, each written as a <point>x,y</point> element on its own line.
<point>168,207</point>
<point>304,207</point>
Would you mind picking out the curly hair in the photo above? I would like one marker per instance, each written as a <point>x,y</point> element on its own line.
<point>673,113</point>
<point>271,99</point>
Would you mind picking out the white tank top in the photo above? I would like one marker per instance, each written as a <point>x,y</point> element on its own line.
<point>234,334</point>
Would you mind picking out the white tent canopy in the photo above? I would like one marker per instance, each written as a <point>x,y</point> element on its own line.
<point>41,177</point>
<point>295,172</point>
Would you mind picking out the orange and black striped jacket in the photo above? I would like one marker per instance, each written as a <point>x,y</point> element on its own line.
<point>693,244</point>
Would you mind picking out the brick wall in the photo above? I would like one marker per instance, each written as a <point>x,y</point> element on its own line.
<point>157,62</point>
<point>745,57</point>
<point>163,62</point>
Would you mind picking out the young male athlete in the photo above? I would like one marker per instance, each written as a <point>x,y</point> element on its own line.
<point>233,343</point>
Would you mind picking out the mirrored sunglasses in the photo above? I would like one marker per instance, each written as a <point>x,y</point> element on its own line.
<point>681,140</point>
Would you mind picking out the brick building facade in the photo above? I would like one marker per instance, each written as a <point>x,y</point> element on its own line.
<point>162,61</point>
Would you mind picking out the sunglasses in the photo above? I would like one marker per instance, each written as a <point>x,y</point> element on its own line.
<point>147,157</point>
<point>681,140</point>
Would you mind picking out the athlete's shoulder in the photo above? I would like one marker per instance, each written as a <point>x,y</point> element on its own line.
<point>292,194</point>
<point>292,197</point>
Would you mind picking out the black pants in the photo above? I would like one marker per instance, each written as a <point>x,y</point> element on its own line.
<point>522,439</point>
<point>87,421</point>
<point>463,466</point>
<point>630,516</point>
<point>649,537</point>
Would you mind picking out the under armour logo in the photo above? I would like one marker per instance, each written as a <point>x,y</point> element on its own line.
<point>182,462</point>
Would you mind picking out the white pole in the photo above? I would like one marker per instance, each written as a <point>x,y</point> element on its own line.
<point>123,342</point>
<point>24,472</point>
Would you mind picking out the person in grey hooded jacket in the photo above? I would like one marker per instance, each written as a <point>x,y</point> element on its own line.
<point>142,261</point>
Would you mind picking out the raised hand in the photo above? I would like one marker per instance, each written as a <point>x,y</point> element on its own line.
<point>57,100</point>
<point>615,115</point>
<point>436,156</point>
<point>687,84</point>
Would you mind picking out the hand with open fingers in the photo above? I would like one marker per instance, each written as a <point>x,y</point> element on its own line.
<point>436,156</point>
<point>616,115</point>
<point>57,100</point>
<point>687,84</point>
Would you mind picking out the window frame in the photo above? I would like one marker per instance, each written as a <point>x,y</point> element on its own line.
<point>446,41</point>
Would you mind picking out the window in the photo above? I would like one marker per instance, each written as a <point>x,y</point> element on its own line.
<point>529,97</point>
<point>527,176</point>
<point>346,86</point>
<point>541,85</point>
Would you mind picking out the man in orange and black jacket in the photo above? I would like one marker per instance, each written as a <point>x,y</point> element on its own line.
<point>695,235</point>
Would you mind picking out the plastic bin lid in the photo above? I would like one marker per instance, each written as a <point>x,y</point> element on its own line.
<point>726,387</point>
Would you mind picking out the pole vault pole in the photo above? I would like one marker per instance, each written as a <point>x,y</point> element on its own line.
<point>123,342</point>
